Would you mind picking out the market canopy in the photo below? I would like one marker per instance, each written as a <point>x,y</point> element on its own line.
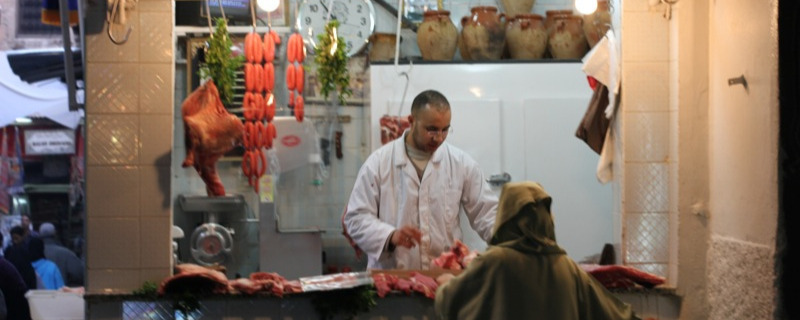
<point>46,98</point>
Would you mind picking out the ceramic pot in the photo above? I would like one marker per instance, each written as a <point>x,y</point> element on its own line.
<point>526,37</point>
<point>382,46</point>
<point>514,7</point>
<point>596,25</point>
<point>483,33</point>
<point>550,16</point>
<point>567,40</point>
<point>437,36</point>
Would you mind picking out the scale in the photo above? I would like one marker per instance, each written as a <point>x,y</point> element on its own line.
<point>211,243</point>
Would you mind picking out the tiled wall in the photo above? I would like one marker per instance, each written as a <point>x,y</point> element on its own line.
<point>129,102</point>
<point>647,137</point>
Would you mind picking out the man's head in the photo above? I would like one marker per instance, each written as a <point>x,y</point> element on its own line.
<point>25,220</point>
<point>430,121</point>
<point>47,229</point>
<point>17,234</point>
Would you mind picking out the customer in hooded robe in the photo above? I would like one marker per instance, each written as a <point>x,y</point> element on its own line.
<point>68,263</point>
<point>13,288</point>
<point>46,270</point>
<point>17,253</point>
<point>524,274</point>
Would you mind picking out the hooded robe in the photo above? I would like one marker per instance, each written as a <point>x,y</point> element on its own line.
<point>524,274</point>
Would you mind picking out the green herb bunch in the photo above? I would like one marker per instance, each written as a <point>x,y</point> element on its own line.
<point>332,67</point>
<point>220,66</point>
<point>149,289</point>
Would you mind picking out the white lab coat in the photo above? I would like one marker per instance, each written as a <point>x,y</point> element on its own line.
<point>388,194</point>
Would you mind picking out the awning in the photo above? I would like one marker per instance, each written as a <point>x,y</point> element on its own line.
<point>47,98</point>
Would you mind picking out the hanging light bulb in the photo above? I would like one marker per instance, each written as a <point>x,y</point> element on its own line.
<point>586,6</point>
<point>268,5</point>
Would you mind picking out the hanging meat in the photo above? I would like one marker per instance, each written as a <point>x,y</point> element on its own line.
<point>210,132</point>
<point>392,127</point>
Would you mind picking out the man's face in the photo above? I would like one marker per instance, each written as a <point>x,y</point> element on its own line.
<point>25,222</point>
<point>429,128</point>
<point>16,239</point>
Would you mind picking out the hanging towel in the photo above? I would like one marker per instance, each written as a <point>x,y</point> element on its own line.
<point>594,124</point>
<point>51,14</point>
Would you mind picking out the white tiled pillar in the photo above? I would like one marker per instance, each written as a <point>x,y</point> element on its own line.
<point>129,107</point>
<point>646,124</point>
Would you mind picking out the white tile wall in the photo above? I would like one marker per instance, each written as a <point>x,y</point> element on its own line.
<point>646,187</point>
<point>129,141</point>
<point>647,86</point>
<point>646,37</point>
<point>648,138</point>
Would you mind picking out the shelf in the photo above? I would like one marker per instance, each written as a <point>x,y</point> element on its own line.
<point>195,203</point>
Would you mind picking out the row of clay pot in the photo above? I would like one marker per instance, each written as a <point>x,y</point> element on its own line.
<point>486,34</point>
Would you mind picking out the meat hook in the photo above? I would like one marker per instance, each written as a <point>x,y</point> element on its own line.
<point>117,16</point>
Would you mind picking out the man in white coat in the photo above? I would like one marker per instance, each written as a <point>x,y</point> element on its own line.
<point>404,208</point>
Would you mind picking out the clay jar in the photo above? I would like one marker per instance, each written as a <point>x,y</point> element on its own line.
<point>595,25</point>
<point>566,40</point>
<point>382,46</point>
<point>515,7</point>
<point>526,36</point>
<point>483,33</point>
<point>437,36</point>
<point>550,16</point>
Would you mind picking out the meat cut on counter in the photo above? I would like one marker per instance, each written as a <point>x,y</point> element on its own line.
<point>198,279</point>
<point>386,282</point>
<point>210,132</point>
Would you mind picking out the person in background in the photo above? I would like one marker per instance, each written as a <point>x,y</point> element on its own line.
<point>525,274</point>
<point>13,290</point>
<point>45,269</point>
<point>27,225</point>
<point>68,263</point>
<point>18,255</point>
<point>403,211</point>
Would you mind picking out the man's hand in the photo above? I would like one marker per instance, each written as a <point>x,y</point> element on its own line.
<point>406,236</point>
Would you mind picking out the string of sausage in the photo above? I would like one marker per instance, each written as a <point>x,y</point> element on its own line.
<point>258,104</point>
<point>295,74</point>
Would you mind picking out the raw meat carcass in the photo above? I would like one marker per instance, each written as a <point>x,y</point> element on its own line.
<point>392,127</point>
<point>210,132</point>
<point>195,279</point>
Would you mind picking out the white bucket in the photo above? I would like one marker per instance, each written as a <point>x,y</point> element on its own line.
<point>54,304</point>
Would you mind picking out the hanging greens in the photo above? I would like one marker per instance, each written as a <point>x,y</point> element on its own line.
<point>331,60</point>
<point>220,66</point>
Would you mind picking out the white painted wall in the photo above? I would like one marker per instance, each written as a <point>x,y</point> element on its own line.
<point>743,158</point>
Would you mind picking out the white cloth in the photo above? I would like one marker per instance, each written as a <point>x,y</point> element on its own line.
<point>602,63</point>
<point>388,194</point>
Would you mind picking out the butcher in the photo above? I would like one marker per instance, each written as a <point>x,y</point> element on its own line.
<point>403,211</point>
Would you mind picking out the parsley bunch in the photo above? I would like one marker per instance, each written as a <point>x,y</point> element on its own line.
<point>220,66</point>
<point>331,60</point>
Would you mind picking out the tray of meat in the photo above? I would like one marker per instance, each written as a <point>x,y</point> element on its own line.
<point>335,281</point>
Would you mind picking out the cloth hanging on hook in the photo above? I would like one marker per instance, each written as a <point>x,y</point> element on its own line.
<point>51,14</point>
